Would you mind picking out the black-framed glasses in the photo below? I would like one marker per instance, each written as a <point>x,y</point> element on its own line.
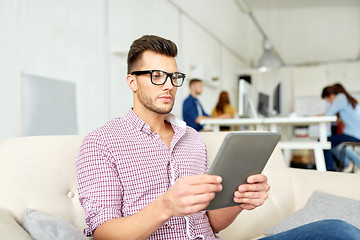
<point>159,77</point>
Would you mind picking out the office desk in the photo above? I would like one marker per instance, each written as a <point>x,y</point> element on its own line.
<point>273,124</point>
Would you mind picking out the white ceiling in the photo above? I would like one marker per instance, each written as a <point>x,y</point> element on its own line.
<point>303,32</point>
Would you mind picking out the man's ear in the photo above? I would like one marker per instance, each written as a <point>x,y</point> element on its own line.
<point>131,81</point>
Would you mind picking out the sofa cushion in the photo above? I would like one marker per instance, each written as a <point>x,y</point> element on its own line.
<point>321,206</point>
<point>42,226</point>
<point>10,229</point>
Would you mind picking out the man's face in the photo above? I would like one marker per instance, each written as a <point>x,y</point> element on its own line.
<point>158,99</point>
<point>198,87</point>
<point>331,98</point>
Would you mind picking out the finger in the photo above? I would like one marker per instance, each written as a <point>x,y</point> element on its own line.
<point>206,188</point>
<point>197,199</point>
<point>248,206</point>
<point>252,201</point>
<point>201,179</point>
<point>198,189</point>
<point>251,195</point>
<point>258,178</point>
<point>255,187</point>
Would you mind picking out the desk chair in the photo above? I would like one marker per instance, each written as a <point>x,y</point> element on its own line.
<point>354,145</point>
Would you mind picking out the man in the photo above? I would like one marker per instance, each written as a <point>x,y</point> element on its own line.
<point>193,112</point>
<point>137,175</point>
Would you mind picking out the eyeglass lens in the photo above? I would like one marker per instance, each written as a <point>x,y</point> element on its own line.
<point>159,77</point>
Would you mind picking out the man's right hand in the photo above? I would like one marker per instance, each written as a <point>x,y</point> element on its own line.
<point>188,195</point>
<point>191,194</point>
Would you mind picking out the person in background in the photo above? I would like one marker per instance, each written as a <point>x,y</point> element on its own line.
<point>223,108</point>
<point>193,111</point>
<point>347,108</point>
<point>338,127</point>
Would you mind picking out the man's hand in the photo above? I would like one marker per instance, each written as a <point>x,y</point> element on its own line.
<point>188,195</point>
<point>191,194</point>
<point>253,194</point>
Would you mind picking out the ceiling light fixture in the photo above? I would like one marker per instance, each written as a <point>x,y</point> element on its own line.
<point>269,59</point>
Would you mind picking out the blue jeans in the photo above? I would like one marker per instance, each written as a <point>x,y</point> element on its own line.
<point>336,140</point>
<point>321,230</point>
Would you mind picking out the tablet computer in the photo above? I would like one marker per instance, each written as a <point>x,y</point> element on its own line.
<point>241,155</point>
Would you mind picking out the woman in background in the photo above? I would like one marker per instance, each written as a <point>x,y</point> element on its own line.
<point>223,108</point>
<point>347,107</point>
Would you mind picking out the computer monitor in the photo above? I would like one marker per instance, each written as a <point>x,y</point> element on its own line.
<point>277,99</point>
<point>246,107</point>
<point>263,104</point>
<point>48,106</point>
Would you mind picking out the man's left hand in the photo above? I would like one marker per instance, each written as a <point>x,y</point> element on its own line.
<point>254,193</point>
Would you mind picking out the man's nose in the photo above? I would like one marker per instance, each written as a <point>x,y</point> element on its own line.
<point>168,84</point>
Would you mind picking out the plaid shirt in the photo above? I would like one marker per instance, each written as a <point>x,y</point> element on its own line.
<point>123,166</point>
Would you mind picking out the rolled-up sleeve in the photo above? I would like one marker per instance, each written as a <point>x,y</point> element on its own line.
<point>100,189</point>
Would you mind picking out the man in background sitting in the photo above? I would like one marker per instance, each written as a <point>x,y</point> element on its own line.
<point>193,111</point>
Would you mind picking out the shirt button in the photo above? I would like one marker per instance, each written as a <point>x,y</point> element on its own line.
<point>71,195</point>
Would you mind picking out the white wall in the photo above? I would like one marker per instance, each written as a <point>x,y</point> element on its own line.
<point>86,42</point>
<point>55,39</point>
<point>346,73</point>
<point>129,20</point>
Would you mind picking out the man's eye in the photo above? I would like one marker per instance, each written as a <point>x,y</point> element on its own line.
<point>157,74</point>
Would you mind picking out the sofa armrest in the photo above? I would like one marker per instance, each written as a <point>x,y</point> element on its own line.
<point>10,229</point>
<point>305,182</point>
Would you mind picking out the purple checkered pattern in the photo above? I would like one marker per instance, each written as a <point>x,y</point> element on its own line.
<point>123,166</point>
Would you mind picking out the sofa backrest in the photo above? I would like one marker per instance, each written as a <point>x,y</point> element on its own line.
<point>39,173</point>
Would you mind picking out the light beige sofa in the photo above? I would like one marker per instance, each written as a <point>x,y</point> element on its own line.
<point>39,173</point>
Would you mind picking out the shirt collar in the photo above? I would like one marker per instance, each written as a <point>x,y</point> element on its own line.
<point>173,120</point>
<point>195,98</point>
<point>140,125</point>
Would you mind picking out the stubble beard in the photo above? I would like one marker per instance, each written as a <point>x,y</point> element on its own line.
<point>198,92</point>
<point>149,104</point>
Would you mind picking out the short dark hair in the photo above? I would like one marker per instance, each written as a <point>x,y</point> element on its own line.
<point>194,80</point>
<point>149,42</point>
